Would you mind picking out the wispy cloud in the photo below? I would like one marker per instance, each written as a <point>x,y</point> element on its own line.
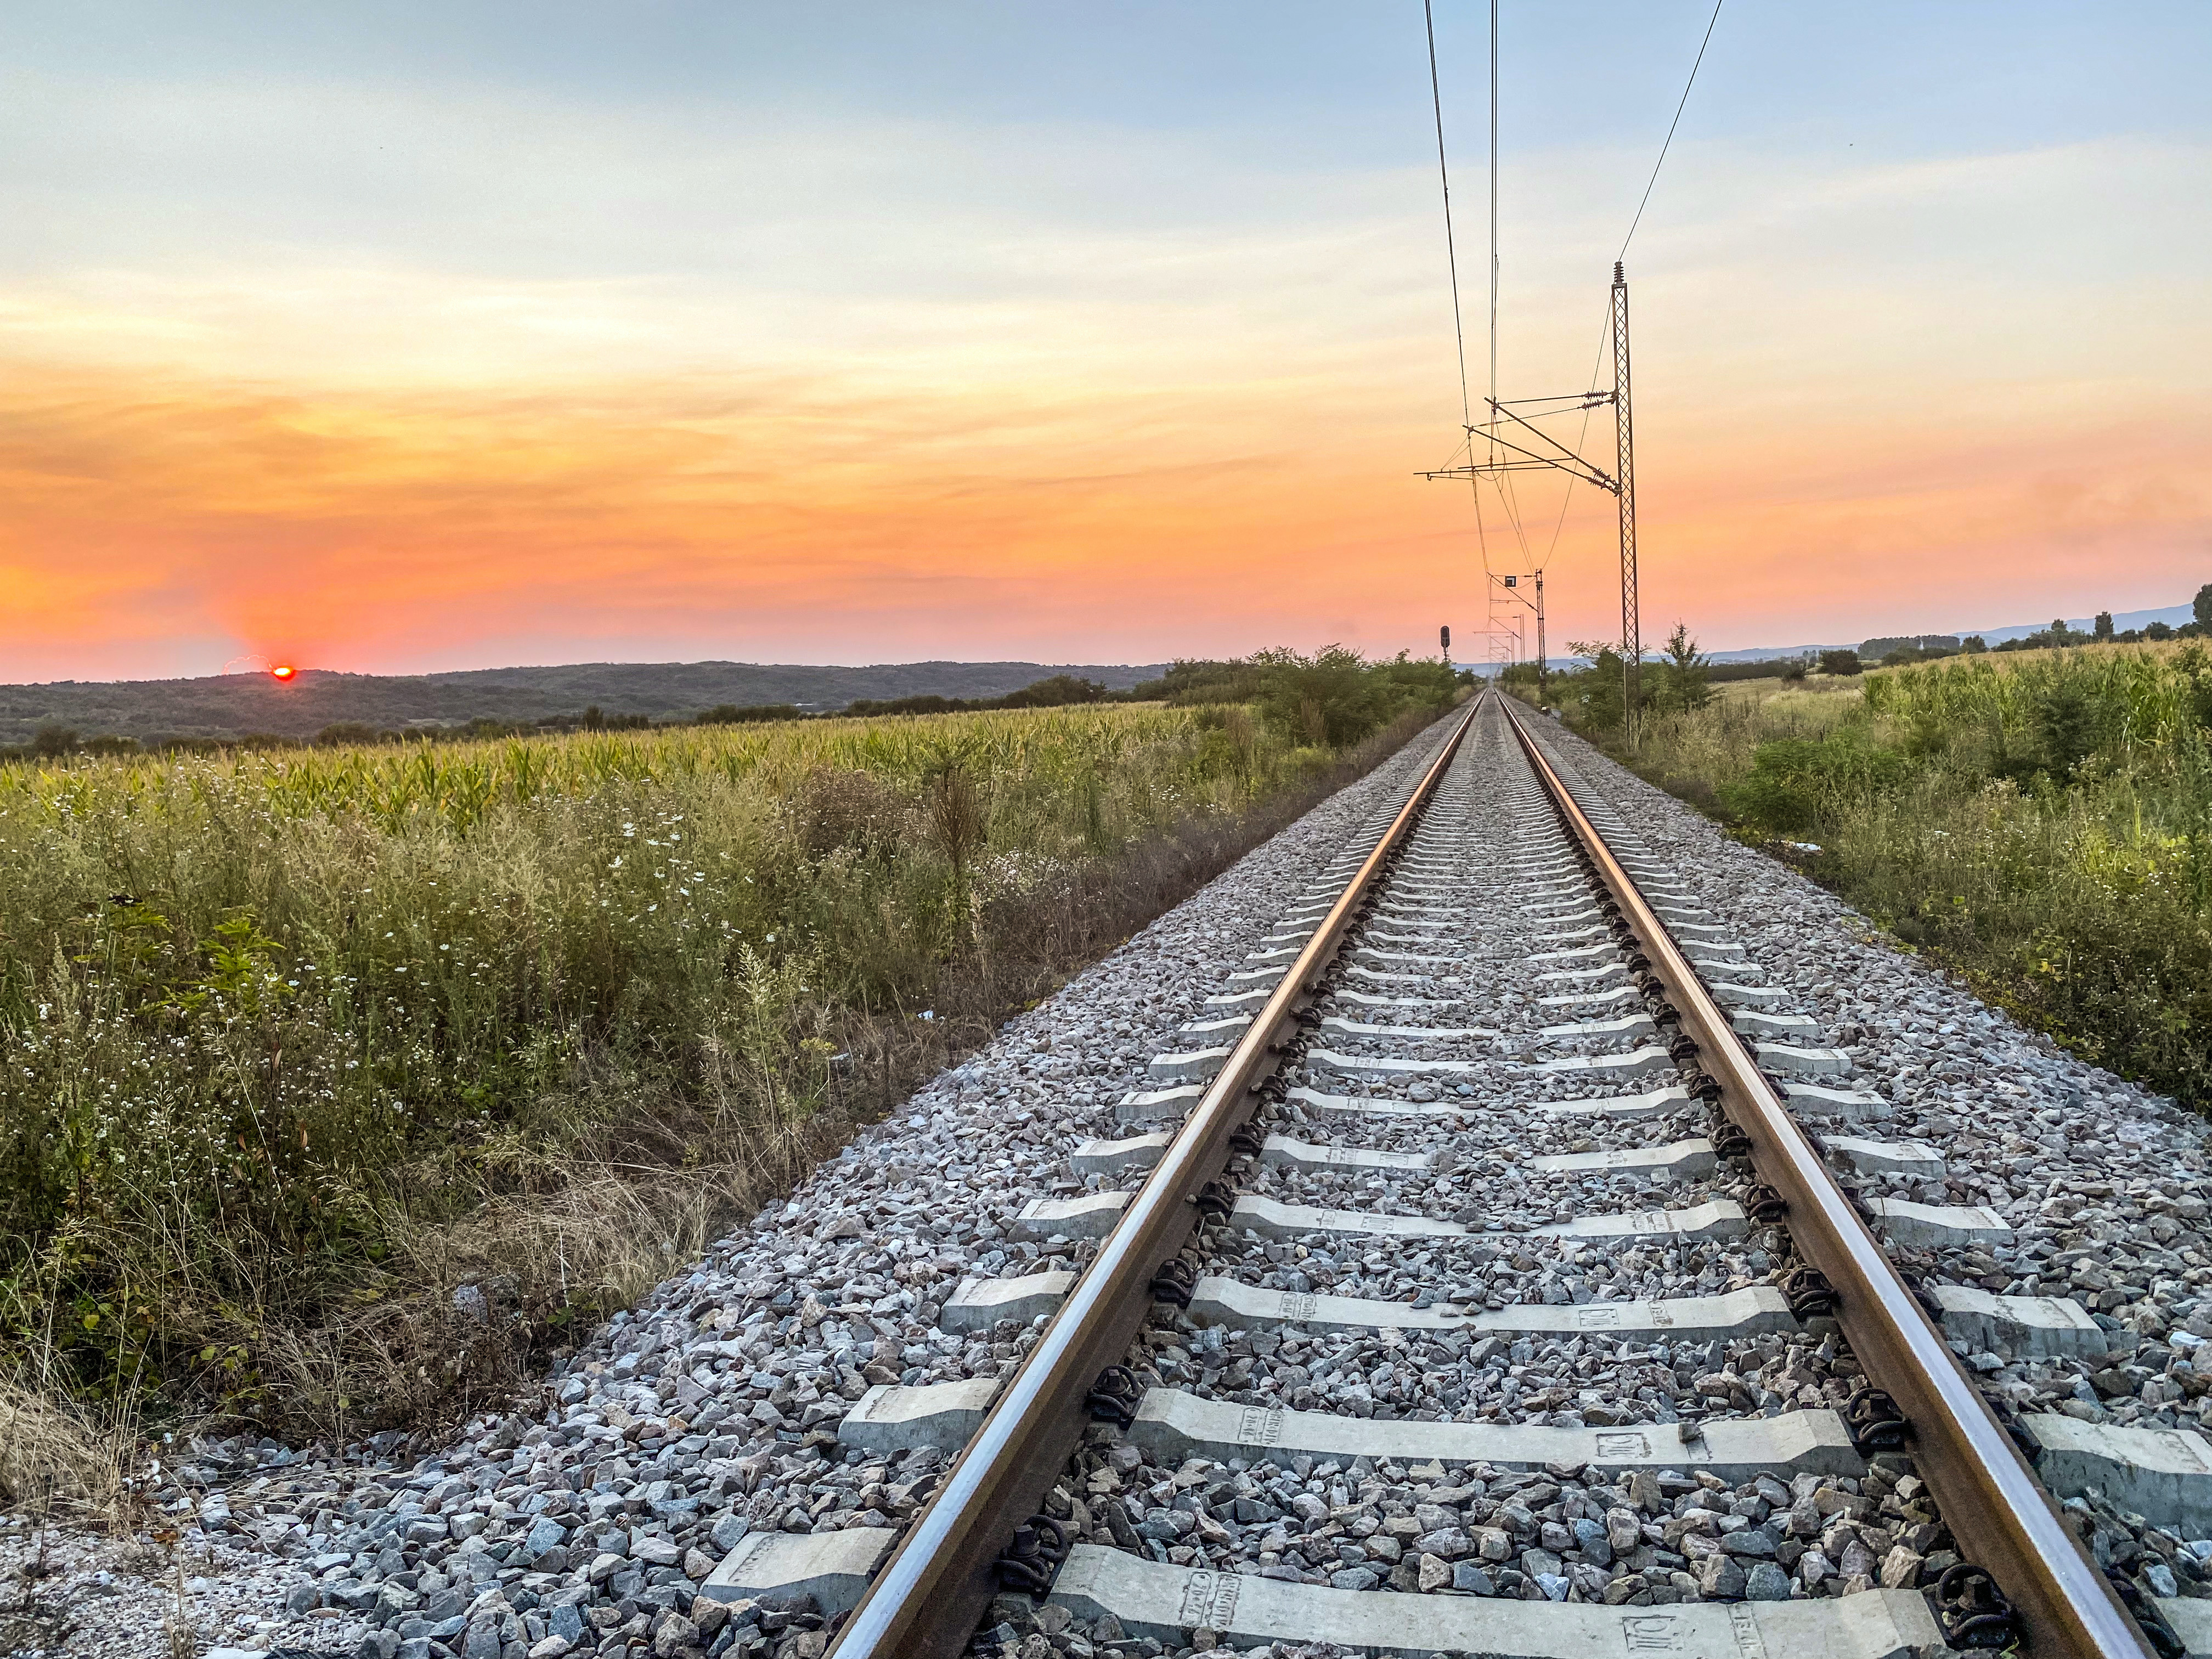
<point>385,376</point>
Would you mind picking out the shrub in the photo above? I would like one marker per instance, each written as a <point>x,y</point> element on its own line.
<point>1793,782</point>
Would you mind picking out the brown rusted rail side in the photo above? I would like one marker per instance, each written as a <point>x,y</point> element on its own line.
<point>926,1602</point>
<point>2003,1518</point>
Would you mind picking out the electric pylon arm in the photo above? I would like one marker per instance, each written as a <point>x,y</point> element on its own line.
<point>1581,469</point>
<point>1592,475</point>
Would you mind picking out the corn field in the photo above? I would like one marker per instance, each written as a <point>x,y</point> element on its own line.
<point>279,1028</point>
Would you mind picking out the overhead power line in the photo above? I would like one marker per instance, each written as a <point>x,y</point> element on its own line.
<point>1671,126</point>
<point>1451,243</point>
<point>1604,330</point>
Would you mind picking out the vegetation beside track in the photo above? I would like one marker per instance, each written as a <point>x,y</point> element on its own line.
<point>338,1080</point>
<point>2041,821</point>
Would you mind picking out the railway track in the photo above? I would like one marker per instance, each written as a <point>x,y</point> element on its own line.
<point>1500,1127</point>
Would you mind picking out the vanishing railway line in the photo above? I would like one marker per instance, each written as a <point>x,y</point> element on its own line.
<point>1553,1148</point>
<point>1498,966</point>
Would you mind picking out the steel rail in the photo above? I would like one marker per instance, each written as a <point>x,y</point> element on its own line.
<point>2002,1518</point>
<point>927,1600</point>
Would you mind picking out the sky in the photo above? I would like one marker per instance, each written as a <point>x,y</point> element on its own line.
<point>415,337</point>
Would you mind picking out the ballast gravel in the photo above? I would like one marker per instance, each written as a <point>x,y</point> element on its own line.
<point>584,1523</point>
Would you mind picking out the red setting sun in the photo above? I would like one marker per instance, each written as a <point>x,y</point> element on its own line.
<point>283,671</point>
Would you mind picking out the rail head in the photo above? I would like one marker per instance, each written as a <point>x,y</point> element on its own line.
<point>2003,1518</point>
<point>927,1599</point>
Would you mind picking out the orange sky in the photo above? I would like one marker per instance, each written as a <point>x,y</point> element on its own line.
<point>1068,406</point>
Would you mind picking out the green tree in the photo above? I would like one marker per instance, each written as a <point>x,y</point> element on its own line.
<point>2202,605</point>
<point>51,740</point>
<point>1841,662</point>
<point>1593,695</point>
<point>1682,674</point>
<point>2103,625</point>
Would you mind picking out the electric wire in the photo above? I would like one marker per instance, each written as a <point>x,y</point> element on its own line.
<point>1451,244</point>
<point>1507,499</point>
<point>1492,414</point>
<point>1598,367</point>
<point>1671,126</point>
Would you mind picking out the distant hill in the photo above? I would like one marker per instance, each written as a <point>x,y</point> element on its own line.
<point>230,705</point>
<point>2172,615</point>
<point>1873,650</point>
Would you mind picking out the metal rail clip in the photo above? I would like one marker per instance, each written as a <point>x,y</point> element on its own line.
<point>2161,1637</point>
<point>1874,1422</point>
<point>1215,1201</point>
<point>1810,1294</point>
<point>1970,1610</point>
<point>1114,1398</point>
<point>1176,1281</point>
<point>1728,1137</point>
<point>1763,1204</point>
<point>1030,1562</point>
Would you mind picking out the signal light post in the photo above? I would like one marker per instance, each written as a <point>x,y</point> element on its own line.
<point>1512,584</point>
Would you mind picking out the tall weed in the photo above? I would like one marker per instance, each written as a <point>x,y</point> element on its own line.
<point>337,1080</point>
<point>2044,823</point>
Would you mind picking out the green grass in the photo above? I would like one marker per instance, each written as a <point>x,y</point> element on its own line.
<point>298,1043</point>
<point>2041,821</point>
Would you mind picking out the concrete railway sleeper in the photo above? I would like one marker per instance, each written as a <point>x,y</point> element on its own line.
<point>1485,1273</point>
<point>1197,1502</point>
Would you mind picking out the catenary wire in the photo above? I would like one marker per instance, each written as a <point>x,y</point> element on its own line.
<point>1671,126</point>
<point>1451,244</point>
<point>1598,367</point>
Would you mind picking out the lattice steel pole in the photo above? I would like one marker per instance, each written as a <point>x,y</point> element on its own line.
<point>1542,667</point>
<point>1631,613</point>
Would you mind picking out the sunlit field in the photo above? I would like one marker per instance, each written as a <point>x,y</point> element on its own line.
<point>2041,819</point>
<point>302,1043</point>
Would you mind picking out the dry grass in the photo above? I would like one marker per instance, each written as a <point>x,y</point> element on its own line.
<point>61,1458</point>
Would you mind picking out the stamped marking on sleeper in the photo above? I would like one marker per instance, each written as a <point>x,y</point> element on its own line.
<point>1256,1425</point>
<point>1209,1601</point>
